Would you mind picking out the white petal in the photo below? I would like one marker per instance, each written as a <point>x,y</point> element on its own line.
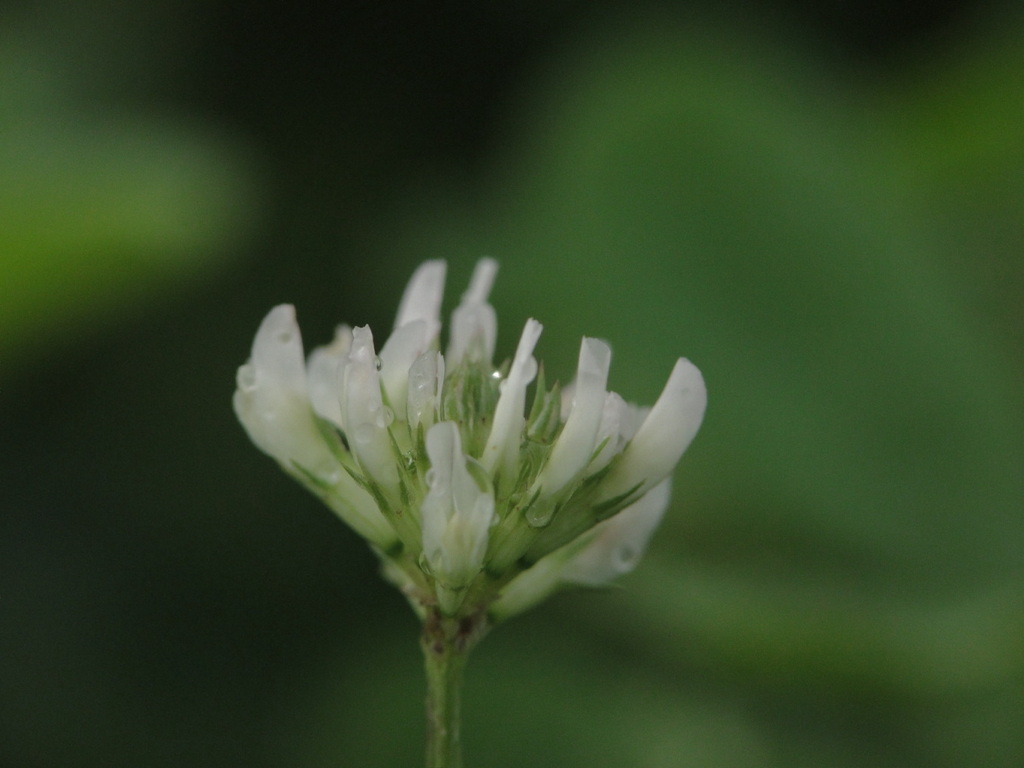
<point>481,283</point>
<point>665,434</point>
<point>619,422</point>
<point>277,350</point>
<point>502,449</point>
<point>366,419</point>
<point>456,513</point>
<point>422,298</point>
<point>474,331</point>
<point>474,326</point>
<point>398,354</point>
<point>426,379</point>
<point>360,512</point>
<point>324,372</point>
<point>616,545</point>
<point>272,401</point>
<point>575,445</point>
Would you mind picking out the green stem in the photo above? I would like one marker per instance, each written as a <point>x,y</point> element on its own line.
<point>446,644</point>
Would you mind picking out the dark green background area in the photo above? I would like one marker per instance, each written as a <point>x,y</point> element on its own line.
<point>820,204</point>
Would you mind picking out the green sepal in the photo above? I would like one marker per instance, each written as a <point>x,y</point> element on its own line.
<point>599,448</point>
<point>608,507</point>
<point>545,422</point>
<point>538,395</point>
<point>469,398</point>
<point>400,522</point>
<point>306,477</point>
<point>577,516</point>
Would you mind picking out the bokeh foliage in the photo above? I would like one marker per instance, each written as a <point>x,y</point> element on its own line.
<point>840,579</point>
<point>103,206</point>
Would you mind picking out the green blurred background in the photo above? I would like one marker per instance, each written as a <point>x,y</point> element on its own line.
<point>821,204</point>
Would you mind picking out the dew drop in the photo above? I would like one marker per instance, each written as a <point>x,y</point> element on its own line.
<point>246,378</point>
<point>377,363</point>
<point>625,557</point>
<point>419,380</point>
<point>539,515</point>
<point>384,417</point>
<point>430,477</point>
<point>530,369</point>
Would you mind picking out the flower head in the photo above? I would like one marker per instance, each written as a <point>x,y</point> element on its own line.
<point>473,501</point>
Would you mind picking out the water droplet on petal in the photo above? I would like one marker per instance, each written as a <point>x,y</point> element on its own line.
<point>430,477</point>
<point>419,380</point>
<point>384,417</point>
<point>246,378</point>
<point>624,557</point>
<point>377,363</point>
<point>530,369</point>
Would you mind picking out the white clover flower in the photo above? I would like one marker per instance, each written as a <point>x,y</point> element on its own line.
<point>472,501</point>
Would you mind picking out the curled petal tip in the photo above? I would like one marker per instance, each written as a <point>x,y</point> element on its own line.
<point>277,348</point>
<point>272,400</point>
<point>663,436</point>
